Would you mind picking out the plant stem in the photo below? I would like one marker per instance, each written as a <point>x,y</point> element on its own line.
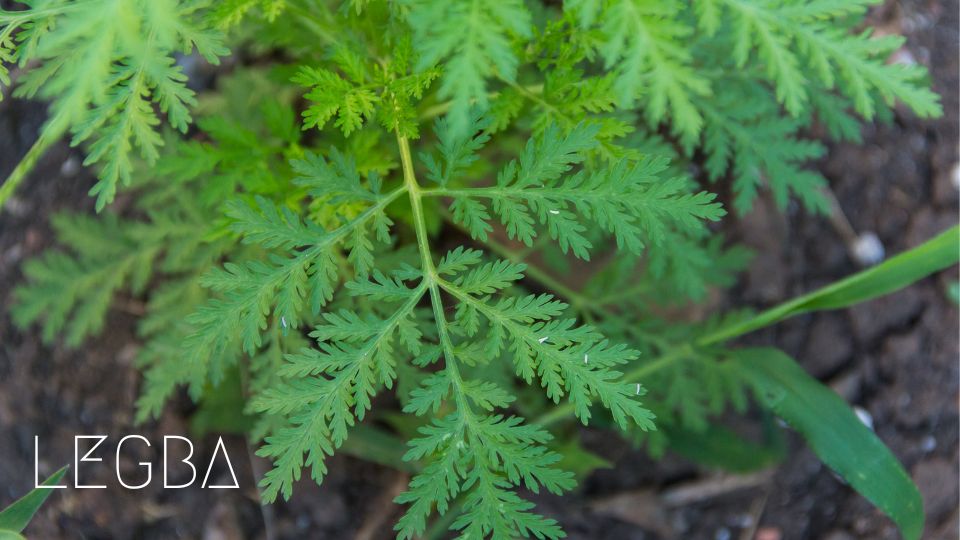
<point>430,272</point>
<point>26,165</point>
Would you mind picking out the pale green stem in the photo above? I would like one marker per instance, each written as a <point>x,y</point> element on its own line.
<point>430,272</point>
<point>20,172</point>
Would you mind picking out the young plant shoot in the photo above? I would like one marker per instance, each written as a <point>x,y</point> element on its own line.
<point>459,224</point>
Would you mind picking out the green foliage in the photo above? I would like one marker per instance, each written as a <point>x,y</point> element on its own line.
<point>660,59</point>
<point>835,433</point>
<point>640,43</point>
<point>473,40</point>
<point>936,254</point>
<point>15,518</point>
<point>775,32</point>
<point>105,64</point>
<point>327,390</point>
<point>292,246</point>
<point>365,91</point>
<point>73,291</point>
<point>743,137</point>
<point>628,199</point>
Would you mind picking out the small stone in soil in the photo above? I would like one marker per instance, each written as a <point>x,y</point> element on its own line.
<point>70,167</point>
<point>864,417</point>
<point>868,250</point>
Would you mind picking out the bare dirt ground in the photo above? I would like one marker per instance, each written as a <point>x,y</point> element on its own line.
<point>895,357</point>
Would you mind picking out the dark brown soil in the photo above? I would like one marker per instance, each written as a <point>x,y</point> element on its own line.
<point>896,357</point>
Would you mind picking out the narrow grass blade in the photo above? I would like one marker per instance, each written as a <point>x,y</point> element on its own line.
<point>835,434</point>
<point>896,273</point>
<point>16,516</point>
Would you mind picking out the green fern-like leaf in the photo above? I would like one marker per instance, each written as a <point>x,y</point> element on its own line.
<point>748,138</point>
<point>797,41</point>
<point>473,39</point>
<point>475,451</point>
<point>70,292</point>
<point>332,96</point>
<point>300,281</point>
<point>627,199</point>
<point>641,45</point>
<point>352,359</point>
<point>105,67</point>
<point>365,92</point>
